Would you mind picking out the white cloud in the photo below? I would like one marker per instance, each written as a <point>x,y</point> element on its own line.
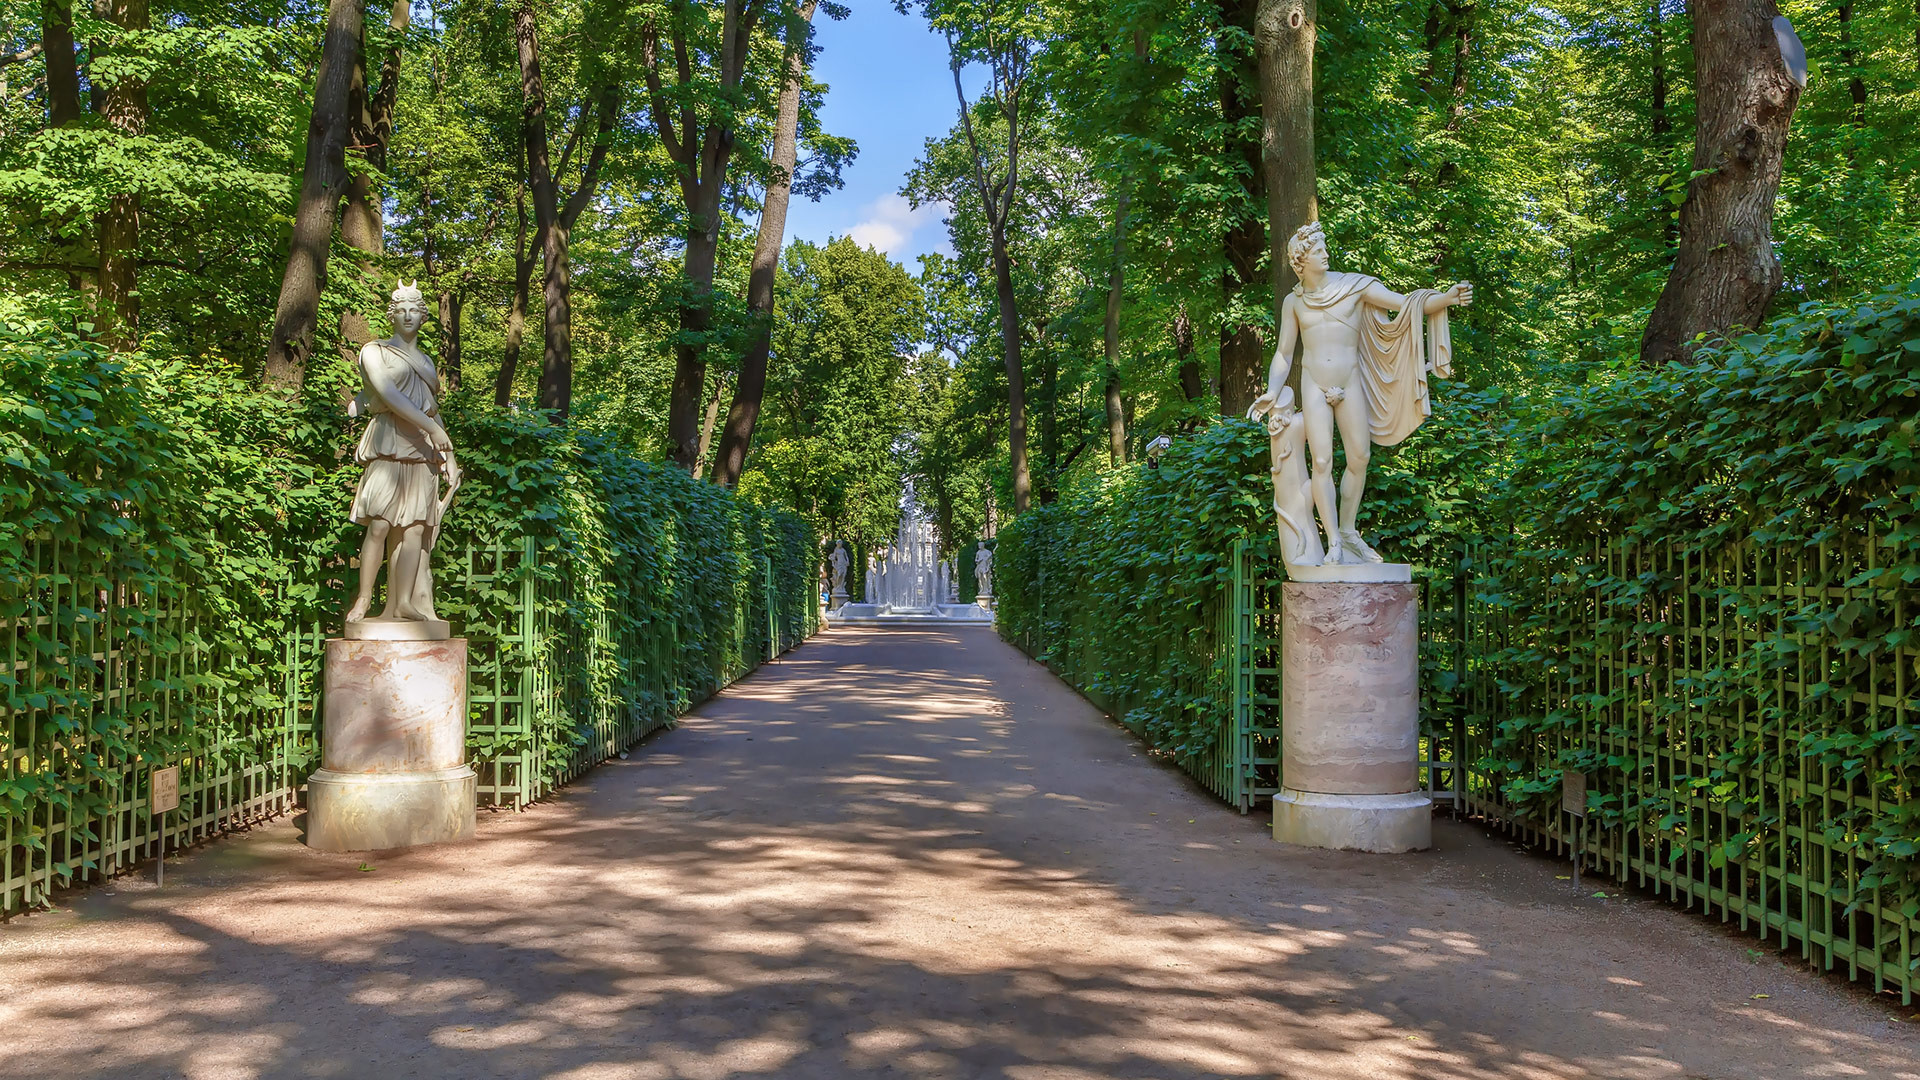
<point>877,234</point>
<point>891,221</point>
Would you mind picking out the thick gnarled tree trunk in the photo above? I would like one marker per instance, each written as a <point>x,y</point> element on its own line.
<point>1725,274</point>
<point>322,185</point>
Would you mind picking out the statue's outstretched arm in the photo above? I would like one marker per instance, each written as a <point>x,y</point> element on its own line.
<point>1380,296</point>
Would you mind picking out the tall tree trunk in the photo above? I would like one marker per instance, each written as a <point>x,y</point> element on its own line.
<point>1460,18</point>
<point>1116,287</point>
<point>711,419</point>
<point>451,304</point>
<point>1661,122</point>
<point>322,184</point>
<point>117,319</point>
<point>702,154</point>
<point>1432,38</point>
<point>737,438</point>
<point>1725,274</point>
<point>63,69</point>
<point>1856,87</point>
<point>361,223</point>
<point>1016,375</point>
<point>524,260</point>
<point>1285,31</point>
<point>1242,364</point>
<point>1049,415</point>
<point>1190,385</point>
<point>554,393</point>
<point>689,353</point>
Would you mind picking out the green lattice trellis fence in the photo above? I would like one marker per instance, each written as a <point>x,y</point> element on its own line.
<point>101,685</point>
<point>1697,691</point>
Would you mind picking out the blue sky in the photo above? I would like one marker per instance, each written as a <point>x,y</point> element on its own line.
<point>889,89</point>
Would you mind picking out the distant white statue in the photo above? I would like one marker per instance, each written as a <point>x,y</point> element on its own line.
<point>839,560</point>
<point>1364,368</point>
<point>405,454</point>
<point>983,569</point>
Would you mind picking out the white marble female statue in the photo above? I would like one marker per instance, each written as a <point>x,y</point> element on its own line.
<point>1364,368</point>
<point>405,455</point>
<point>983,569</point>
<point>839,560</point>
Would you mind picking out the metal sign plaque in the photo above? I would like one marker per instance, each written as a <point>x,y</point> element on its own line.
<point>165,788</point>
<point>1573,793</point>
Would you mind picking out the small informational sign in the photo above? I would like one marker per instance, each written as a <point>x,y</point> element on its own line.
<point>1573,793</point>
<point>164,786</point>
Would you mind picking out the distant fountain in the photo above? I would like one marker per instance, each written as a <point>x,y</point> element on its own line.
<point>908,580</point>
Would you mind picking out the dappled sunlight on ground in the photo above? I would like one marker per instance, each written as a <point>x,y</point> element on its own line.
<point>908,854</point>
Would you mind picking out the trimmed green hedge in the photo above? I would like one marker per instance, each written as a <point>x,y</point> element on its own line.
<point>1125,565</point>
<point>174,548</point>
<point>1695,584</point>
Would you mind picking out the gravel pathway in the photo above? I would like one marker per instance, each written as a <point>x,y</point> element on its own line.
<point>904,854</point>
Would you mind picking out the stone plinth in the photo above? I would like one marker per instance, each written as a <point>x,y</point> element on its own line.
<point>1350,718</point>
<point>393,756</point>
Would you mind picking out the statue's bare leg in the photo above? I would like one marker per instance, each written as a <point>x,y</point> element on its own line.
<point>403,568</point>
<point>373,551</point>
<point>423,583</point>
<point>1356,438</point>
<point>1319,420</point>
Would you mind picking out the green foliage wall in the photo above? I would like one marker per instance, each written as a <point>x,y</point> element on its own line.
<point>174,549</point>
<point>1695,584</point>
<point>1708,606</point>
<point>1123,567</point>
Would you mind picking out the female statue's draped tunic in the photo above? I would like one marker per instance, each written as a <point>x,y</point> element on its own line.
<point>1395,356</point>
<point>401,481</point>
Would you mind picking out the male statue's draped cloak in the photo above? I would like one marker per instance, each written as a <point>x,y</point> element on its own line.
<point>401,484</point>
<point>1394,355</point>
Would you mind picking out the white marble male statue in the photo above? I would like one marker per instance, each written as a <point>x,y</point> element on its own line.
<point>839,560</point>
<point>405,454</point>
<point>983,569</point>
<point>1364,373</point>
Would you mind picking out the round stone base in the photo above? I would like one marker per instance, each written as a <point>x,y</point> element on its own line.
<point>1381,823</point>
<point>377,811</point>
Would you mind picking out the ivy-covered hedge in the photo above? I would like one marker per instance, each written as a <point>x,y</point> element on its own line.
<point>1707,605</point>
<point>174,548</point>
<point>1694,584</point>
<point>1111,585</point>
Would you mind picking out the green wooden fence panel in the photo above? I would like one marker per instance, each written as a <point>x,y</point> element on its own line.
<point>1691,688</point>
<point>120,666</point>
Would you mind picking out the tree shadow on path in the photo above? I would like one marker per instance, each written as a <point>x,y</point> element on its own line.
<point>898,854</point>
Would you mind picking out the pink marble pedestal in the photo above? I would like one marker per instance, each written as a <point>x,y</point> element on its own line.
<point>1350,716</point>
<point>393,755</point>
